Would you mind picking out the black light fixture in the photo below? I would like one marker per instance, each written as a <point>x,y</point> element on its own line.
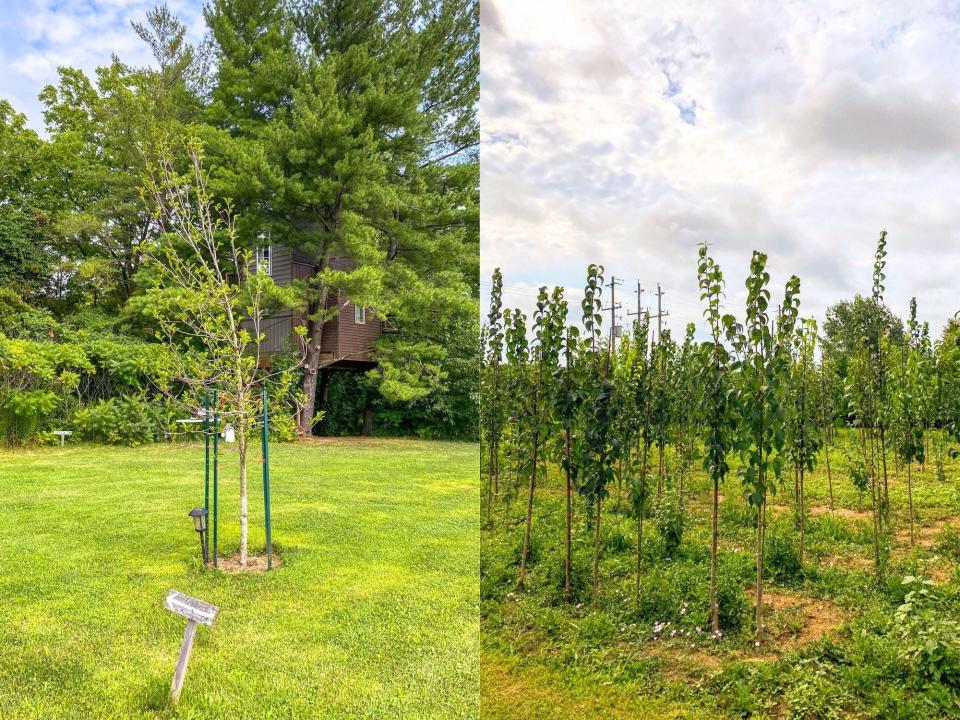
<point>199,516</point>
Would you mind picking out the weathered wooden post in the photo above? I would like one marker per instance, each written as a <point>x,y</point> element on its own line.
<point>195,611</point>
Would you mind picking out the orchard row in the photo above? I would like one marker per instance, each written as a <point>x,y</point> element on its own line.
<point>758,403</point>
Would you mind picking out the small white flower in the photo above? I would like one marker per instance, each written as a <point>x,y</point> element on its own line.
<point>757,643</point>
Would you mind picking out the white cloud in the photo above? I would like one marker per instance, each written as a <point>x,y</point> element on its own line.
<point>626,133</point>
<point>38,36</point>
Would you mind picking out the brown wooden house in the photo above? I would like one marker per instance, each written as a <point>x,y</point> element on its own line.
<point>348,337</point>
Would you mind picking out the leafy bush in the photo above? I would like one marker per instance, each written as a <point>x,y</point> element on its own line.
<point>118,421</point>
<point>782,554</point>
<point>23,413</point>
<point>668,520</point>
<point>929,636</point>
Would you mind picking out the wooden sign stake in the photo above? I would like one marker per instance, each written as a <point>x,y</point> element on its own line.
<point>181,672</point>
<point>196,611</point>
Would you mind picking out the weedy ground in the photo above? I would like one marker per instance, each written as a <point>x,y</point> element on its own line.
<point>832,646</point>
<point>372,615</point>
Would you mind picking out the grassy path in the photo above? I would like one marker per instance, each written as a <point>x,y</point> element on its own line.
<point>374,613</point>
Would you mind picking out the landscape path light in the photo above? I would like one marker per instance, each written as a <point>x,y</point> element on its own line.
<point>199,516</point>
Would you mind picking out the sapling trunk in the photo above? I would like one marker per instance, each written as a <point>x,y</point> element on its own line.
<point>873,503</point>
<point>826,454</point>
<point>761,531</point>
<point>886,488</point>
<point>619,483</point>
<point>526,533</point>
<point>242,452</point>
<point>661,467</point>
<point>596,556</point>
<point>567,561</point>
<point>714,537</point>
<point>801,516</point>
<point>910,499</point>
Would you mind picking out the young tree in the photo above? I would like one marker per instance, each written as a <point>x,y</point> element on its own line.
<point>718,407</point>
<point>567,410</point>
<point>825,413</point>
<point>860,397</point>
<point>599,447</point>
<point>802,426</point>
<point>908,388</point>
<point>493,412</point>
<point>517,386</point>
<point>208,300</point>
<point>549,321</point>
<point>762,366</point>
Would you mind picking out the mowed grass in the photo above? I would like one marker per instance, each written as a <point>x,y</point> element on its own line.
<point>373,614</point>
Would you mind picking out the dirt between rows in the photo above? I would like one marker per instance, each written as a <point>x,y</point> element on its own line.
<point>791,621</point>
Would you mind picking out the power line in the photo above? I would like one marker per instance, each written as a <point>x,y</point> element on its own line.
<point>614,306</point>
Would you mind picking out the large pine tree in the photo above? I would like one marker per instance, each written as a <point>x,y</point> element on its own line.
<point>349,132</point>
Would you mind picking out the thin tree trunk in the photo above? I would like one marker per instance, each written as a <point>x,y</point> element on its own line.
<point>714,536</point>
<point>526,534</point>
<point>801,517</point>
<point>661,467</point>
<point>873,503</point>
<point>886,489</point>
<point>596,556</point>
<point>619,483</point>
<point>311,371</point>
<point>568,560</point>
<point>826,451</point>
<point>761,522</point>
<point>242,452</point>
<point>910,499</point>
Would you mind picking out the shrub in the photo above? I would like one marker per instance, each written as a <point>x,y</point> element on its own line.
<point>929,637</point>
<point>782,555</point>
<point>668,519</point>
<point>23,414</point>
<point>118,421</point>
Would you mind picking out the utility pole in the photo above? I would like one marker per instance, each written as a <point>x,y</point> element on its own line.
<point>640,311</point>
<point>661,313</point>
<point>614,306</point>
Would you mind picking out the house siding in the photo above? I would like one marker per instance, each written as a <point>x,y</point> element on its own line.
<point>343,338</point>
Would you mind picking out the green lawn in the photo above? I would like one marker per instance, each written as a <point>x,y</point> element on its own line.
<point>374,613</point>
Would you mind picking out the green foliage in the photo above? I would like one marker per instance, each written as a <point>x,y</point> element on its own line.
<point>782,556</point>
<point>929,636</point>
<point>668,519</point>
<point>118,421</point>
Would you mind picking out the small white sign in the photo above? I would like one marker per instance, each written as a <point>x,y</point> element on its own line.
<point>191,608</point>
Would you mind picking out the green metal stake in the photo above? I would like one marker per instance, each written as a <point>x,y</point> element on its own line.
<point>216,458</point>
<point>206,452</point>
<point>265,436</point>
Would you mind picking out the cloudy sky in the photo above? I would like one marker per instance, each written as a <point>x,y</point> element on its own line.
<point>626,133</point>
<point>37,36</point>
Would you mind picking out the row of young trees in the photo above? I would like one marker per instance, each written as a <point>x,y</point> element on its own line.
<point>760,396</point>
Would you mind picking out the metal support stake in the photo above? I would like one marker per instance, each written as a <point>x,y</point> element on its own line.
<point>206,457</point>
<point>216,458</point>
<point>265,437</point>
